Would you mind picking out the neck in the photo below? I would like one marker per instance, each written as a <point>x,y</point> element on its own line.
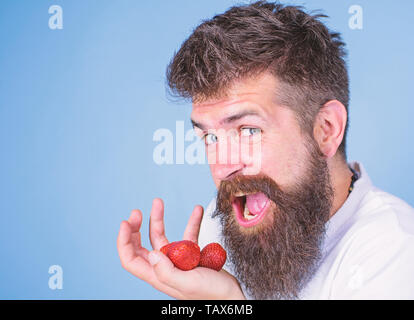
<point>341,179</point>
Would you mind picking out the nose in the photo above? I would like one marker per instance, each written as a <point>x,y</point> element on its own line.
<point>225,171</point>
<point>224,158</point>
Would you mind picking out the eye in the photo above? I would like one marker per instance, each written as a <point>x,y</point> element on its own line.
<point>210,138</point>
<point>245,132</point>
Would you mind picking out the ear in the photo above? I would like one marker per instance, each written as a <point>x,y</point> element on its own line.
<point>329,127</point>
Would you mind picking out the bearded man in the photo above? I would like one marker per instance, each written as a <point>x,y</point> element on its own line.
<point>297,220</point>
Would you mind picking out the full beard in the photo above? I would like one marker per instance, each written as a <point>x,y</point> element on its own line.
<point>275,260</point>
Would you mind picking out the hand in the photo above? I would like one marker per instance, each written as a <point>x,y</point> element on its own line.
<point>155,268</point>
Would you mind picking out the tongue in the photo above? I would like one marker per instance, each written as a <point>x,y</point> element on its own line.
<point>256,202</point>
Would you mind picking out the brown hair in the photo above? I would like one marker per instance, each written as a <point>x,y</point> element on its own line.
<point>305,56</point>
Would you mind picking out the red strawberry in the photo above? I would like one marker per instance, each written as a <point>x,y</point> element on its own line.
<point>213,256</point>
<point>167,247</point>
<point>184,254</point>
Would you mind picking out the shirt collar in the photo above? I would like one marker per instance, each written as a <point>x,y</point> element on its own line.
<point>336,226</point>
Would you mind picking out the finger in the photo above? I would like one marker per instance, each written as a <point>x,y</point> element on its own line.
<point>192,229</point>
<point>135,220</point>
<point>156,225</point>
<point>130,260</point>
<point>126,250</point>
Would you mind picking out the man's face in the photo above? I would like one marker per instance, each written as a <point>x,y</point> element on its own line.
<point>251,110</point>
<point>273,215</point>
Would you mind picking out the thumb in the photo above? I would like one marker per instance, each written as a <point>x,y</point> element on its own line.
<point>164,269</point>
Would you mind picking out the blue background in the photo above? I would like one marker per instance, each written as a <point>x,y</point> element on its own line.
<point>79,107</point>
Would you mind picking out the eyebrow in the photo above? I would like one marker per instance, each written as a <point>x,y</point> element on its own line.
<point>229,119</point>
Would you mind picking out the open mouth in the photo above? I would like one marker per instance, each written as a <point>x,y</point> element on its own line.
<point>250,209</point>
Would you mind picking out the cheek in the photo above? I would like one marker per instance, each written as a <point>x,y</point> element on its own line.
<point>283,159</point>
<point>214,171</point>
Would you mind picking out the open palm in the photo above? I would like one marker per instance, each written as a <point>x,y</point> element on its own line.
<point>156,269</point>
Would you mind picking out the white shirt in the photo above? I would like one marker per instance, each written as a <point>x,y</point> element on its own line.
<point>368,251</point>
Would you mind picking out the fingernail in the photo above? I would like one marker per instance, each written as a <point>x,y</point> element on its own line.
<point>153,258</point>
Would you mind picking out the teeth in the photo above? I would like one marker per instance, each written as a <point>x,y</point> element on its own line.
<point>247,214</point>
<point>239,194</point>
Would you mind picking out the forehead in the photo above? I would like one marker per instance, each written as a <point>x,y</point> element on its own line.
<point>253,94</point>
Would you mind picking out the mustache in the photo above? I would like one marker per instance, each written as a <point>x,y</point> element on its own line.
<point>230,189</point>
<point>249,184</point>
